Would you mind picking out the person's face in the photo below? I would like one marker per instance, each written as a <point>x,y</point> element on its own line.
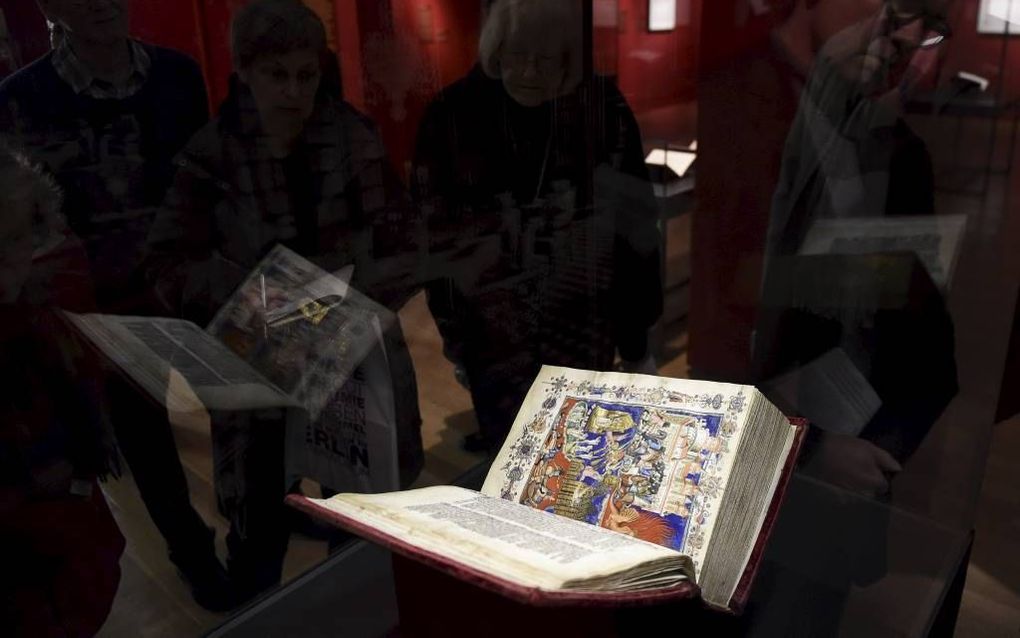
<point>532,65</point>
<point>284,87</point>
<point>877,51</point>
<point>15,251</point>
<point>905,29</point>
<point>99,21</point>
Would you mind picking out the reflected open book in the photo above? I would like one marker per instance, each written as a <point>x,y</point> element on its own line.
<point>262,350</point>
<point>611,488</point>
<point>292,336</point>
<point>935,239</point>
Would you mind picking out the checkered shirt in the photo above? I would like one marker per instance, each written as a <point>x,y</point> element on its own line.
<point>70,68</point>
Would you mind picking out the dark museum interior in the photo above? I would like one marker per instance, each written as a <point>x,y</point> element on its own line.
<point>306,305</point>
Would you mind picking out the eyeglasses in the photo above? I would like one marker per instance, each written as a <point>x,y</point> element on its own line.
<point>935,28</point>
<point>520,60</point>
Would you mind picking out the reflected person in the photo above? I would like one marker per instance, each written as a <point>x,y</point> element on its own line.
<point>862,344</point>
<point>105,114</point>
<point>542,212</point>
<point>752,101</point>
<point>288,162</point>
<point>850,155</point>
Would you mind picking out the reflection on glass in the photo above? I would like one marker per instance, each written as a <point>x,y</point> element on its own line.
<point>548,262</point>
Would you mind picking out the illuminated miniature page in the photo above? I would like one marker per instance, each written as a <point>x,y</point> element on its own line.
<point>644,456</point>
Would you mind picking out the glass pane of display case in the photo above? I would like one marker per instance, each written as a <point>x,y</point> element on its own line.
<point>258,252</point>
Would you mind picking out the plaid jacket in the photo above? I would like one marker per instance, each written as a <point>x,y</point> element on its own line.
<point>336,201</point>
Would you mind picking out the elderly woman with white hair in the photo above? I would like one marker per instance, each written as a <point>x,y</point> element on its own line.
<point>536,172</point>
<point>286,162</point>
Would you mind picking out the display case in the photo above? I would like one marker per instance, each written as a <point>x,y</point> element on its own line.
<point>733,191</point>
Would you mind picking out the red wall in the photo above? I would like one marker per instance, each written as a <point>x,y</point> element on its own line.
<point>349,51</point>
<point>214,25</point>
<point>167,24</point>
<point>978,53</point>
<point>656,69</point>
<point>728,29</point>
<point>740,150</point>
<point>411,49</point>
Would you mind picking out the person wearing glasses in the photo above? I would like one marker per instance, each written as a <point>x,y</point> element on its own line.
<point>754,99</point>
<point>541,204</point>
<point>827,330</point>
<point>851,156</point>
<point>849,129</point>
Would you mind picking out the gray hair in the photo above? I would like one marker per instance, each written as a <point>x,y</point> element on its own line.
<point>274,27</point>
<point>506,17</point>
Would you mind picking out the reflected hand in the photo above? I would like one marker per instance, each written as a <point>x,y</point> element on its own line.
<point>853,464</point>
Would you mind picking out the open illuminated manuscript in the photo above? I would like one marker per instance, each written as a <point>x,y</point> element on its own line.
<point>609,485</point>
<point>291,337</point>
